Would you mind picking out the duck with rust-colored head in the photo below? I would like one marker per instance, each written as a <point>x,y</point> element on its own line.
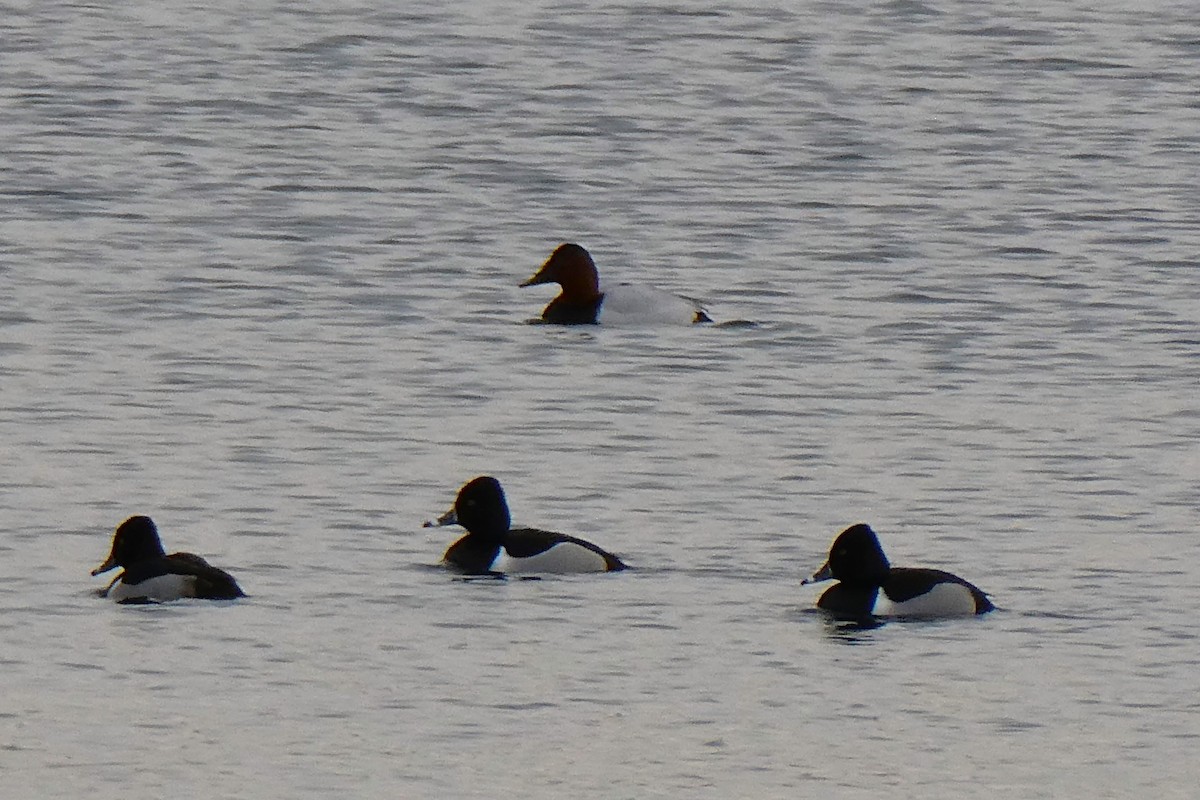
<point>583,302</point>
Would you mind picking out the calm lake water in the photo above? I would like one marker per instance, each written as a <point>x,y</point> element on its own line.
<point>259,267</point>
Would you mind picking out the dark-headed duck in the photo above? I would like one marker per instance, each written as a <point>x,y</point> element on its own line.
<point>150,575</point>
<point>481,508</point>
<point>868,586</point>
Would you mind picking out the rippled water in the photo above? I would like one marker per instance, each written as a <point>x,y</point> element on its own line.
<point>259,270</point>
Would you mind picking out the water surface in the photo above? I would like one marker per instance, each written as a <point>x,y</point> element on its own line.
<point>260,273</point>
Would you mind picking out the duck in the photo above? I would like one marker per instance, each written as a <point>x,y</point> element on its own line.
<point>482,509</point>
<point>868,586</point>
<point>583,302</point>
<point>152,576</point>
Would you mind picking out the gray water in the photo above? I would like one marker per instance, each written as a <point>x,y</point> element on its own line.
<point>259,267</point>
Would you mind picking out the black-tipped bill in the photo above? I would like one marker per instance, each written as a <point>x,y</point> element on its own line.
<point>825,573</point>
<point>449,518</point>
<point>111,563</point>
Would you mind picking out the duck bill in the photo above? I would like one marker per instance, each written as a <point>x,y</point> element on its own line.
<point>534,280</point>
<point>111,563</point>
<point>540,276</point>
<point>449,518</point>
<point>825,573</point>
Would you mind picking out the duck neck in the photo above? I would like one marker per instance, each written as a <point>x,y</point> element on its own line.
<point>582,284</point>
<point>868,581</point>
<point>473,554</point>
<point>488,535</point>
